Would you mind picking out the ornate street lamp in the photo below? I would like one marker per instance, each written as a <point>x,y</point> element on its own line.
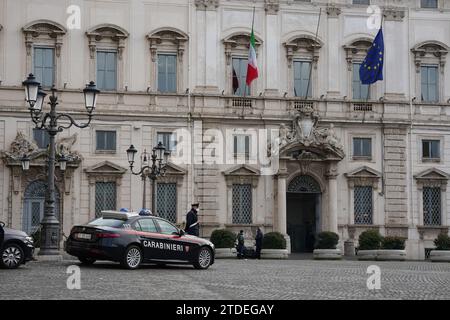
<point>25,160</point>
<point>50,231</point>
<point>63,162</point>
<point>159,159</point>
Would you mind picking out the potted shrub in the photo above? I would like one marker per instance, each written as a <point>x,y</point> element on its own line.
<point>325,246</point>
<point>369,243</point>
<point>274,246</point>
<point>223,241</point>
<point>442,251</point>
<point>392,248</point>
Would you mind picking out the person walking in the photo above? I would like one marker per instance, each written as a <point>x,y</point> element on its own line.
<point>258,243</point>
<point>192,226</point>
<point>2,234</point>
<point>240,244</point>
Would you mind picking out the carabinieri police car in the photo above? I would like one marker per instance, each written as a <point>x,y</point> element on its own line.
<point>132,239</point>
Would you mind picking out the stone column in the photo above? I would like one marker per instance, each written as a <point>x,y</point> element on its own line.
<point>332,199</point>
<point>207,26</point>
<point>334,64</point>
<point>272,48</point>
<point>281,213</point>
<point>395,37</point>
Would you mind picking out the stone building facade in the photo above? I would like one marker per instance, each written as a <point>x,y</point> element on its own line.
<point>351,158</point>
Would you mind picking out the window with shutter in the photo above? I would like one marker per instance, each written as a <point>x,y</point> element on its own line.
<point>302,72</point>
<point>106,70</point>
<point>44,66</point>
<point>167,73</point>
<point>360,91</point>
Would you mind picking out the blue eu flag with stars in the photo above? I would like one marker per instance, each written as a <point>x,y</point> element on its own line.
<point>372,68</point>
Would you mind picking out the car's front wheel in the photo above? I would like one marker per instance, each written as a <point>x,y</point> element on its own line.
<point>86,261</point>
<point>204,258</point>
<point>11,256</point>
<point>132,257</point>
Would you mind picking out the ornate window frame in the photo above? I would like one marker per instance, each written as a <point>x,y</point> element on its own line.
<point>241,174</point>
<point>107,37</point>
<point>171,41</point>
<point>430,53</point>
<point>356,52</point>
<point>44,33</point>
<point>236,45</point>
<point>362,177</point>
<point>432,178</point>
<point>303,48</point>
<point>105,171</point>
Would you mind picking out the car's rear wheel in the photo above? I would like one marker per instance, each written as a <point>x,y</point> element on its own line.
<point>11,256</point>
<point>86,261</point>
<point>204,258</point>
<point>132,257</point>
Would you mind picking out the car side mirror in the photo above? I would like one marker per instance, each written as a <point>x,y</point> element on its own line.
<point>181,232</point>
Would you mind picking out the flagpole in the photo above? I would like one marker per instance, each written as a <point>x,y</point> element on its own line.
<point>246,86</point>
<point>310,68</point>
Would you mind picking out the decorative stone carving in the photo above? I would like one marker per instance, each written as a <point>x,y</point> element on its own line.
<point>432,178</point>
<point>304,46</point>
<point>207,4</point>
<point>357,50</point>
<point>64,147</point>
<point>242,174</point>
<point>44,30</point>
<point>333,12</point>
<point>171,38</point>
<point>315,143</point>
<point>108,33</point>
<point>272,6</point>
<point>433,50</point>
<point>391,14</point>
<point>363,176</point>
<point>21,146</point>
<point>238,43</point>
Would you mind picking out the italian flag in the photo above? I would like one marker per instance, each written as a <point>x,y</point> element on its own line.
<point>252,69</point>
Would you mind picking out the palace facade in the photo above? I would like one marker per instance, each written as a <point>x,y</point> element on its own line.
<point>351,157</point>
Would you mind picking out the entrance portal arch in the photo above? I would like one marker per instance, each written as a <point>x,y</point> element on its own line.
<point>304,196</point>
<point>34,205</point>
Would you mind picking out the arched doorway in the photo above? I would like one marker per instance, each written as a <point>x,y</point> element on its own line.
<point>303,212</point>
<point>34,204</point>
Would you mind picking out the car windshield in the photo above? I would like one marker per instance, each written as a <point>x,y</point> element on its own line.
<point>114,223</point>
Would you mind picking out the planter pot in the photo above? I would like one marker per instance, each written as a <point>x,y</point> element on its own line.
<point>440,255</point>
<point>274,254</point>
<point>382,255</point>
<point>367,254</point>
<point>391,255</point>
<point>225,253</point>
<point>327,254</point>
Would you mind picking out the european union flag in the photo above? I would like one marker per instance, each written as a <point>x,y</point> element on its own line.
<point>372,68</point>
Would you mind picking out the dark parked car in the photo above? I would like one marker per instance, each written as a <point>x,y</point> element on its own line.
<point>132,239</point>
<point>16,247</point>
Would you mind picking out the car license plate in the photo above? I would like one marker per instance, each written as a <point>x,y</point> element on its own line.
<point>85,236</point>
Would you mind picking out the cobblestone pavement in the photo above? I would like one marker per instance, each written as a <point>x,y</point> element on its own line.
<point>230,279</point>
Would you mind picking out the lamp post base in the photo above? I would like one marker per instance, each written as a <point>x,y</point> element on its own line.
<point>44,257</point>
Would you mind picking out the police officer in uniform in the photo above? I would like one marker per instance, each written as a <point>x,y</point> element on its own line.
<point>192,226</point>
